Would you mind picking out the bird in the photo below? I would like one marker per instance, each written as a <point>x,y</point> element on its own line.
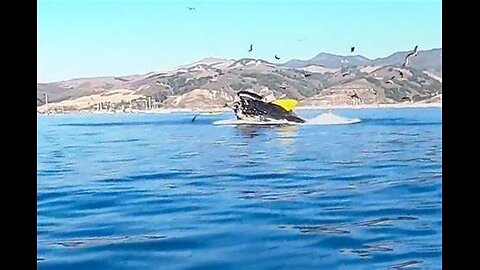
<point>191,8</point>
<point>409,55</point>
<point>346,73</point>
<point>251,48</point>
<point>356,97</point>
<point>352,49</point>
<point>193,119</point>
<point>307,74</point>
<point>276,57</point>
<point>393,77</point>
<point>401,74</point>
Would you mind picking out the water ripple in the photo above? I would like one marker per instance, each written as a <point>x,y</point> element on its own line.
<point>143,191</point>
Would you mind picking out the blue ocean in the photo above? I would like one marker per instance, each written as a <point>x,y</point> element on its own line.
<point>159,191</point>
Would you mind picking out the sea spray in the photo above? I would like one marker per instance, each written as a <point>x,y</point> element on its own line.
<point>322,119</point>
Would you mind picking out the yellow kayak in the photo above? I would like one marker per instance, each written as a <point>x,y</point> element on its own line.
<point>288,104</point>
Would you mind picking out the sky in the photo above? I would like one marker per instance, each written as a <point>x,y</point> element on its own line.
<point>87,38</point>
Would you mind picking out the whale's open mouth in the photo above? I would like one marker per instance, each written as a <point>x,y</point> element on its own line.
<point>252,107</point>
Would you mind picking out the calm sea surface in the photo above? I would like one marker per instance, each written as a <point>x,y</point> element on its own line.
<point>152,191</point>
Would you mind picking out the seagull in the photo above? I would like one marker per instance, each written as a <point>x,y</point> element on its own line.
<point>193,119</point>
<point>251,48</point>
<point>409,55</point>
<point>352,49</point>
<point>276,57</point>
<point>191,8</point>
<point>354,95</point>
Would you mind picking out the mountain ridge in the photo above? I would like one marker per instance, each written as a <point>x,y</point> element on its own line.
<point>214,82</point>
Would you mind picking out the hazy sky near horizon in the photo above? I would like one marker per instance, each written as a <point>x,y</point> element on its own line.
<point>87,38</point>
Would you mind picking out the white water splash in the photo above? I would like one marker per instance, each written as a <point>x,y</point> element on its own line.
<point>322,119</point>
<point>230,122</point>
<point>331,119</point>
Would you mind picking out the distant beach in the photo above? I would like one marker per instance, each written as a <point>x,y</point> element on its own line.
<point>372,106</point>
<point>210,110</point>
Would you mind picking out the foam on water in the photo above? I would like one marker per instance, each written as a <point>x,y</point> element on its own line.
<point>322,119</point>
<point>230,122</point>
<point>331,119</point>
<point>141,191</point>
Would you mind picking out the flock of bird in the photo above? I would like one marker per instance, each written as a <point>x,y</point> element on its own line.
<point>251,49</point>
<point>278,58</point>
<point>352,50</point>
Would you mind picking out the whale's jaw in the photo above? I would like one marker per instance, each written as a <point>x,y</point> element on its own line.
<point>259,111</point>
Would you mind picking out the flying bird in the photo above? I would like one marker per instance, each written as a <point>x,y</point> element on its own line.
<point>346,73</point>
<point>355,96</point>
<point>352,49</point>
<point>276,57</point>
<point>251,48</point>
<point>410,55</point>
<point>191,8</point>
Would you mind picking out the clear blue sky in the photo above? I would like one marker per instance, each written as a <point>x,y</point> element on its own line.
<point>86,38</point>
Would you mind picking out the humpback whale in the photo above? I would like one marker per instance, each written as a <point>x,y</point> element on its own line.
<point>252,107</point>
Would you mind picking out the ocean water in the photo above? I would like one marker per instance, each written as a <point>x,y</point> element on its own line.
<point>158,191</point>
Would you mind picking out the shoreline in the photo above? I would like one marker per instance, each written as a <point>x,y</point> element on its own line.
<point>316,107</point>
<point>373,106</point>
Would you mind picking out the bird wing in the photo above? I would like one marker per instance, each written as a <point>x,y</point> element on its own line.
<point>405,63</point>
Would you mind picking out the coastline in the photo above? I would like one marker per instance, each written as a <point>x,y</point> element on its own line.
<point>373,106</point>
<point>317,107</point>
